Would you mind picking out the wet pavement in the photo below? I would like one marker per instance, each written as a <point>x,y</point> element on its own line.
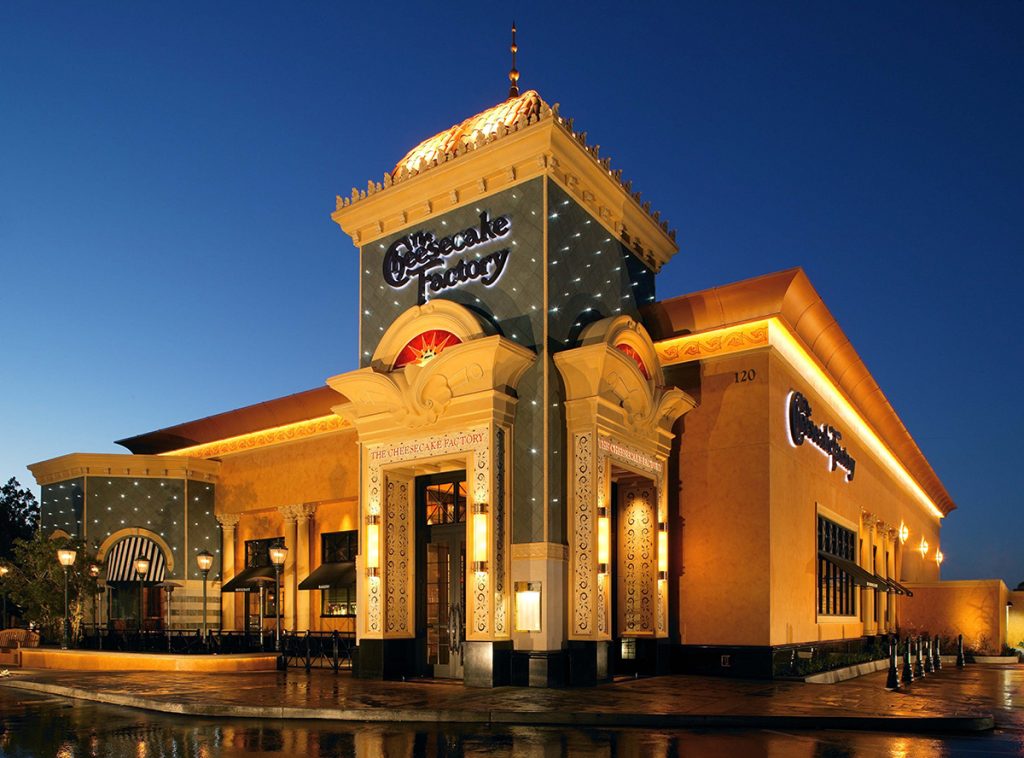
<point>42,726</point>
<point>946,701</point>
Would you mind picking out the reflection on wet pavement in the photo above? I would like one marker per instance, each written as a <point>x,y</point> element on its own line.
<point>32,725</point>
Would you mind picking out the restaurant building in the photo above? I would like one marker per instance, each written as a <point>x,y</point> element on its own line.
<point>538,472</point>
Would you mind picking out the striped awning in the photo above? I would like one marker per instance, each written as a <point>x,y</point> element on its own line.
<point>121,560</point>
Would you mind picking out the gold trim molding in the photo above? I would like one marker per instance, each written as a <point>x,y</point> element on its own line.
<point>76,465</point>
<point>277,435</point>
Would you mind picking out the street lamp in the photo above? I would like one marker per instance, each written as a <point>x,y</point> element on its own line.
<point>3,575</point>
<point>94,572</point>
<point>141,569</point>
<point>204,559</point>
<point>66,556</point>
<point>278,553</point>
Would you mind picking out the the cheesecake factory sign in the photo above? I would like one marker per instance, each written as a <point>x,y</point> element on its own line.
<point>440,264</point>
<point>824,437</point>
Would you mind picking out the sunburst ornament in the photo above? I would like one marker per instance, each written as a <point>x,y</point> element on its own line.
<point>424,347</point>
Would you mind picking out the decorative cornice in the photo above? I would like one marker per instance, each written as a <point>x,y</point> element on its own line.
<point>277,435</point>
<point>75,465</point>
<point>691,347</point>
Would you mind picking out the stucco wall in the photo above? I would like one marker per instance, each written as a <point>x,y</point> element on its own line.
<point>975,608</point>
<point>319,469</point>
<point>723,472</point>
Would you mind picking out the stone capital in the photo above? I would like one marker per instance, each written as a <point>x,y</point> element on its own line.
<point>228,520</point>
<point>298,512</point>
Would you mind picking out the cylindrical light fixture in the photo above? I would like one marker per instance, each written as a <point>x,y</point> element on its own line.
<point>923,547</point>
<point>480,536</point>
<point>663,550</point>
<point>603,539</point>
<point>372,545</point>
<point>904,533</point>
<point>939,557</point>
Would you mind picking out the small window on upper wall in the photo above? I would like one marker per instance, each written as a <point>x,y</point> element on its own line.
<point>339,547</point>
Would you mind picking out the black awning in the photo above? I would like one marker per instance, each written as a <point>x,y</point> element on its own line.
<point>899,589</point>
<point>855,572</point>
<point>245,580</point>
<point>330,575</point>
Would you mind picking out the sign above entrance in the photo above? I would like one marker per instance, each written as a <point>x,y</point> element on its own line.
<point>417,255</point>
<point>824,437</point>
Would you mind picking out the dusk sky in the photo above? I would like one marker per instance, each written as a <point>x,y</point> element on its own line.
<point>167,174</point>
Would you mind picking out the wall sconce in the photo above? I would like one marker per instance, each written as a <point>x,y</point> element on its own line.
<point>939,557</point>
<point>373,545</point>
<point>662,550</point>
<point>603,539</point>
<point>904,533</point>
<point>923,547</point>
<point>479,536</point>
<point>528,606</point>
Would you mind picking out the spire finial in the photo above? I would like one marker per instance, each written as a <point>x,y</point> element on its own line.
<point>513,75</point>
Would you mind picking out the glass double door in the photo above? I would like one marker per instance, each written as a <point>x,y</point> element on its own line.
<point>442,501</point>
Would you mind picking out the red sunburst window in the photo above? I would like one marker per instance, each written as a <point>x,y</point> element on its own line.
<point>424,347</point>
<point>630,351</point>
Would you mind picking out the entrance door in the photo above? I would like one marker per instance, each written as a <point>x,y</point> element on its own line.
<point>442,504</point>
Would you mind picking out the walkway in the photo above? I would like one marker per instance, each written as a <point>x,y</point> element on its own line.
<point>950,700</point>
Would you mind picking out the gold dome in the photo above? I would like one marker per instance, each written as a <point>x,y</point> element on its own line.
<point>485,123</point>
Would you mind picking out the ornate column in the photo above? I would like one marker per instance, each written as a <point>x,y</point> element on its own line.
<point>228,522</point>
<point>290,515</point>
<point>303,525</point>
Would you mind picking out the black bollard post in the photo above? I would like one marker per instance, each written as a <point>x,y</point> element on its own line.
<point>918,662</point>
<point>892,682</point>
<point>908,672</point>
<point>929,664</point>
<point>937,653</point>
<point>960,660</point>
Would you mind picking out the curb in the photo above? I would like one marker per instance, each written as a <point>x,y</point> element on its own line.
<point>906,724</point>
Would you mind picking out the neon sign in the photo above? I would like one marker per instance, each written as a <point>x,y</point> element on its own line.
<point>417,255</point>
<point>824,437</point>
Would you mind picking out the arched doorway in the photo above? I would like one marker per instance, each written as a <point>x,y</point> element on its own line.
<point>134,601</point>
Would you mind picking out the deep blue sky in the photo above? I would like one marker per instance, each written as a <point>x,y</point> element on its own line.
<point>167,172</point>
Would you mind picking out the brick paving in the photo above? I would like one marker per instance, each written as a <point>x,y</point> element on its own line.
<point>951,699</point>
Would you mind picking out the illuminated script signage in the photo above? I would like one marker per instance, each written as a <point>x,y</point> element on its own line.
<point>824,437</point>
<point>454,442</point>
<point>423,258</point>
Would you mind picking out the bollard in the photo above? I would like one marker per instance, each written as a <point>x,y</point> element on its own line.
<point>929,664</point>
<point>892,683</point>
<point>918,662</point>
<point>937,653</point>
<point>960,661</point>
<point>908,672</point>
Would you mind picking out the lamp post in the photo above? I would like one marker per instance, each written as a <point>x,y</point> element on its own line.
<point>141,569</point>
<point>3,575</point>
<point>66,556</point>
<point>278,553</point>
<point>204,559</point>
<point>94,572</point>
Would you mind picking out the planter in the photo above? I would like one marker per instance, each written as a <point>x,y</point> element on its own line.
<point>848,672</point>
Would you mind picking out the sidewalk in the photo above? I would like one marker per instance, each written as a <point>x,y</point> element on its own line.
<point>973,699</point>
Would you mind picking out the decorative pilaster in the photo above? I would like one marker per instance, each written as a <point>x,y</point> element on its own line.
<point>228,522</point>
<point>289,583</point>
<point>302,526</point>
<point>869,608</point>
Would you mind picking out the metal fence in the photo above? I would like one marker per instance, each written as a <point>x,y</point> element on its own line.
<point>308,650</point>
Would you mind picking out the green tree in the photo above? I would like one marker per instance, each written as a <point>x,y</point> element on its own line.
<point>19,515</point>
<point>35,582</point>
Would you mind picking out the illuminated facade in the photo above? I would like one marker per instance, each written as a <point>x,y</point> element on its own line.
<point>539,473</point>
